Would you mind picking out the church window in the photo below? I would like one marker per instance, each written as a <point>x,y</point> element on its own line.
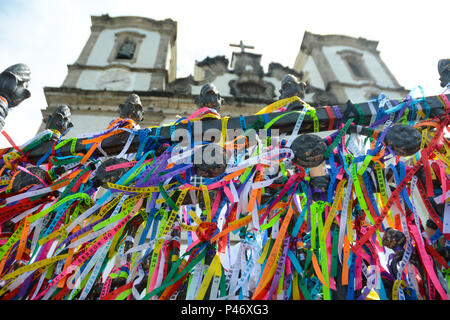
<point>355,69</point>
<point>355,64</point>
<point>126,47</point>
<point>373,96</point>
<point>126,50</point>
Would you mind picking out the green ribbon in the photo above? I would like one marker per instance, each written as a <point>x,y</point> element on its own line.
<point>323,258</point>
<point>34,144</point>
<point>167,198</point>
<point>272,221</point>
<point>338,138</point>
<point>173,270</point>
<point>360,113</point>
<point>72,146</point>
<point>83,196</point>
<point>334,252</point>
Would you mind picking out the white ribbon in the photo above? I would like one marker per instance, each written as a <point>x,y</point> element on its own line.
<point>373,112</point>
<point>101,256</point>
<point>260,159</point>
<point>28,194</point>
<point>195,282</point>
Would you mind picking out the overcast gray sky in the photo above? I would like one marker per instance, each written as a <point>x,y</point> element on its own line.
<point>48,35</point>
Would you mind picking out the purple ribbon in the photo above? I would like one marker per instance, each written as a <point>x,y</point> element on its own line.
<point>79,232</point>
<point>160,160</point>
<point>25,285</point>
<point>339,116</point>
<point>155,180</point>
<point>279,271</point>
<point>364,294</point>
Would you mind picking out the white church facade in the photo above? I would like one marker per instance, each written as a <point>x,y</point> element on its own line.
<point>348,68</point>
<point>126,55</point>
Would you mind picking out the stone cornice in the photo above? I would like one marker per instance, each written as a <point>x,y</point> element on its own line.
<point>311,40</point>
<point>75,97</point>
<point>158,105</point>
<point>105,21</point>
<point>130,33</point>
<point>77,66</point>
<point>365,85</point>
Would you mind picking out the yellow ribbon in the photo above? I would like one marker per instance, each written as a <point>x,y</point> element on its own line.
<point>278,104</point>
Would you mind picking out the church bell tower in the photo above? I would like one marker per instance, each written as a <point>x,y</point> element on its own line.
<point>122,55</point>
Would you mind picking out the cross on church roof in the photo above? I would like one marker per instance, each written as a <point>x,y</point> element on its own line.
<point>242,46</point>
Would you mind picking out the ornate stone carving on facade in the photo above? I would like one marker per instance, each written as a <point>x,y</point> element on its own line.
<point>181,85</point>
<point>246,66</point>
<point>206,71</point>
<point>250,84</point>
<point>212,67</point>
<point>249,81</point>
<point>321,97</point>
<point>278,71</point>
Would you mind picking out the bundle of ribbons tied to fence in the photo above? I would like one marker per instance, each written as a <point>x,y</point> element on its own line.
<point>127,214</point>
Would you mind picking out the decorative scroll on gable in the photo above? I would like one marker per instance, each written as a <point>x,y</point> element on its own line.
<point>250,84</point>
<point>278,71</point>
<point>206,71</point>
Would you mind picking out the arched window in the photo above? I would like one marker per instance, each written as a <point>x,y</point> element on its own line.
<point>126,50</point>
<point>355,69</point>
<point>355,63</point>
<point>126,47</point>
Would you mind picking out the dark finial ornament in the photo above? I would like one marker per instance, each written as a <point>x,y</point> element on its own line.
<point>102,176</point>
<point>209,97</point>
<point>404,140</point>
<point>308,150</point>
<point>59,120</point>
<point>320,182</point>
<point>132,108</point>
<point>24,179</point>
<point>444,72</point>
<point>393,239</point>
<point>13,88</point>
<point>210,160</point>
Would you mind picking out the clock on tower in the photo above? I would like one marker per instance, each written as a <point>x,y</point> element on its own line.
<point>114,79</point>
